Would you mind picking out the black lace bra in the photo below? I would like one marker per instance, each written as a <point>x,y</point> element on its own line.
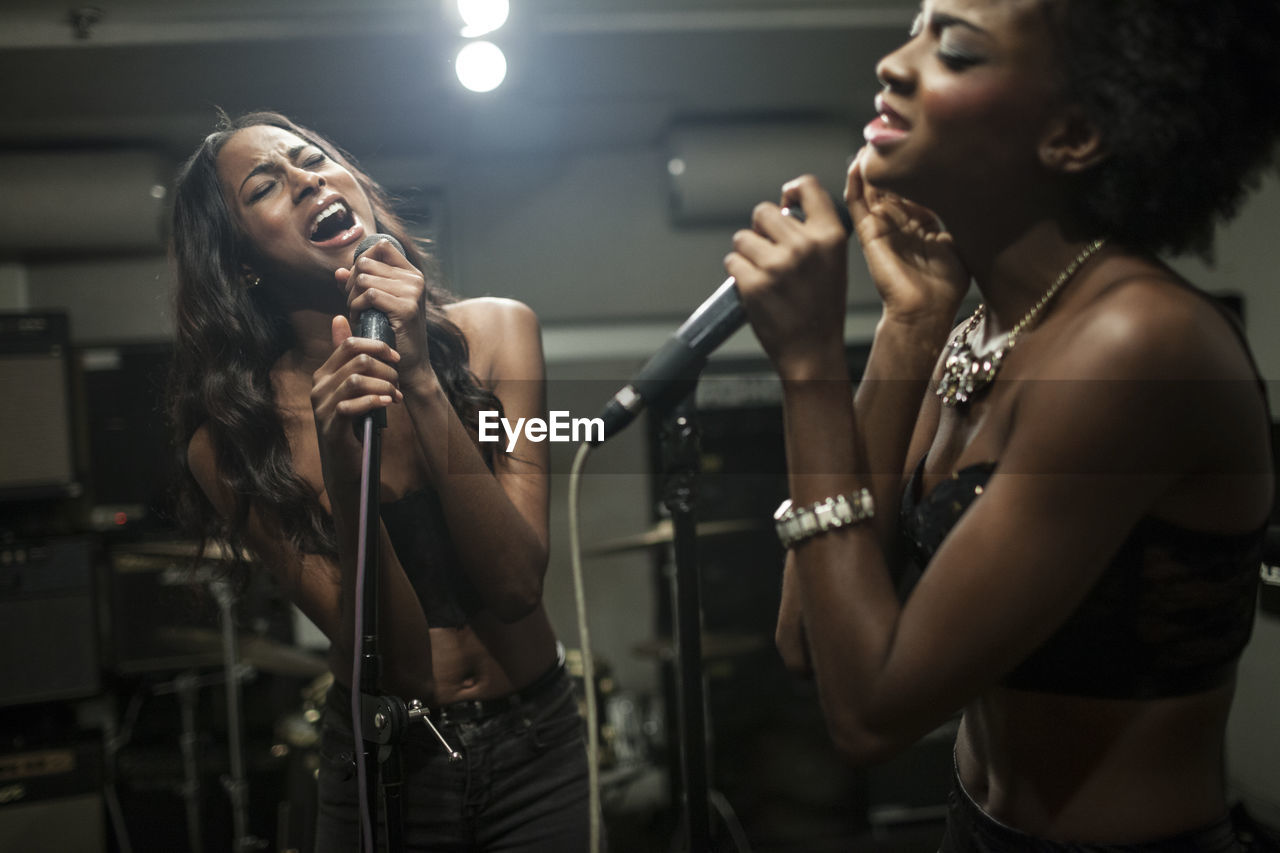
<point>1169,616</point>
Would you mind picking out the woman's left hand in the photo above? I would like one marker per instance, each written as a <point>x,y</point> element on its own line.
<point>792,278</point>
<point>910,255</point>
<point>383,279</point>
<point>789,635</point>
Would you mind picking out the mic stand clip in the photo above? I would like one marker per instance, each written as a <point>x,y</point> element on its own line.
<point>387,717</point>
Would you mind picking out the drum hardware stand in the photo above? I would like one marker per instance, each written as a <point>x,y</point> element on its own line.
<point>186,686</point>
<point>235,783</point>
<point>381,718</point>
<point>114,738</point>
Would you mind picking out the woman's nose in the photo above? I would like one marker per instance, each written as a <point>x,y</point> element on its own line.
<point>894,71</point>
<point>305,183</point>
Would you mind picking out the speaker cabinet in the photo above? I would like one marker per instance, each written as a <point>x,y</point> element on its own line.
<point>48,626</point>
<point>130,464</point>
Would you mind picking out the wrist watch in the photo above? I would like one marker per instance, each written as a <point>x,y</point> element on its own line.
<point>796,524</point>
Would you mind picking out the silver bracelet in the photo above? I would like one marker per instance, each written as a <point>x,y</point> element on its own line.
<point>796,524</point>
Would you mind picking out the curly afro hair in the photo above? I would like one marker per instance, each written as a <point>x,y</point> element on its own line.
<point>1187,94</point>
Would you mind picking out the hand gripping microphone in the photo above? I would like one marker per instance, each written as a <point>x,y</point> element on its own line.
<point>668,374</point>
<point>372,323</point>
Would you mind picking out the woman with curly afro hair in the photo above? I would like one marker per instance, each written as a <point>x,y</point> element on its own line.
<point>1080,472</point>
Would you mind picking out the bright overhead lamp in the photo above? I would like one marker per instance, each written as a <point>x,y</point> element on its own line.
<point>481,66</point>
<point>481,17</point>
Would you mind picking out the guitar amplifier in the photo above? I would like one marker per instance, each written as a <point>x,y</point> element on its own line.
<point>37,448</point>
<point>51,799</point>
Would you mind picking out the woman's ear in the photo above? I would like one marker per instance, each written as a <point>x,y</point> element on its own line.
<point>1072,143</point>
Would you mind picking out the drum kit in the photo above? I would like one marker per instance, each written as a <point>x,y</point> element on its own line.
<point>195,658</point>
<point>632,726</point>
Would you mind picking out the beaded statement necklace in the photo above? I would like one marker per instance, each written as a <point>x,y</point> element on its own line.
<point>966,373</point>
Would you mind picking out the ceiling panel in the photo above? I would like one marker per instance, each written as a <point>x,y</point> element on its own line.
<point>378,75</point>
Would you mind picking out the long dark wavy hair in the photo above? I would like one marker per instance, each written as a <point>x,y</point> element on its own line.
<point>230,335</point>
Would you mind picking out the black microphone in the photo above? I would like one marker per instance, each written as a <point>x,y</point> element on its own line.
<point>373,323</point>
<point>667,376</point>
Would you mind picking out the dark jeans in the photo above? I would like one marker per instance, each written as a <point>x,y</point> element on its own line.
<point>521,785</point>
<point>971,830</point>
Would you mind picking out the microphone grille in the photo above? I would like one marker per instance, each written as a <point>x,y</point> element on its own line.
<point>372,240</point>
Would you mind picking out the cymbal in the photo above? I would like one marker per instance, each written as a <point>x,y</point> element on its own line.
<point>135,554</point>
<point>664,532</point>
<point>260,652</point>
<point>713,646</point>
<point>278,659</point>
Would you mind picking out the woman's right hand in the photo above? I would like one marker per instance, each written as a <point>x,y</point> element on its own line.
<point>911,257</point>
<point>358,378</point>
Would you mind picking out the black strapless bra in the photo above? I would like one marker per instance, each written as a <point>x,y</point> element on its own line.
<point>420,536</point>
<point>1168,617</point>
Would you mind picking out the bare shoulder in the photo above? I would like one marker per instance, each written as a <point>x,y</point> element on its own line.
<point>202,459</point>
<point>1153,377</point>
<point>1151,325</point>
<point>503,335</point>
<point>487,315</point>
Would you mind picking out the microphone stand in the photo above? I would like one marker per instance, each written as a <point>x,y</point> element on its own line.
<point>374,759</point>
<point>378,719</point>
<point>680,451</point>
<point>383,718</point>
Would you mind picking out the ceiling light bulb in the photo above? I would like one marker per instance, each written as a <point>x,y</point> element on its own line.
<point>482,16</point>
<point>481,66</point>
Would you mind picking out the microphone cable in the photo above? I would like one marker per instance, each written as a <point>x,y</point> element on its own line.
<point>362,780</point>
<point>584,644</point>
<point>716,799</point>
